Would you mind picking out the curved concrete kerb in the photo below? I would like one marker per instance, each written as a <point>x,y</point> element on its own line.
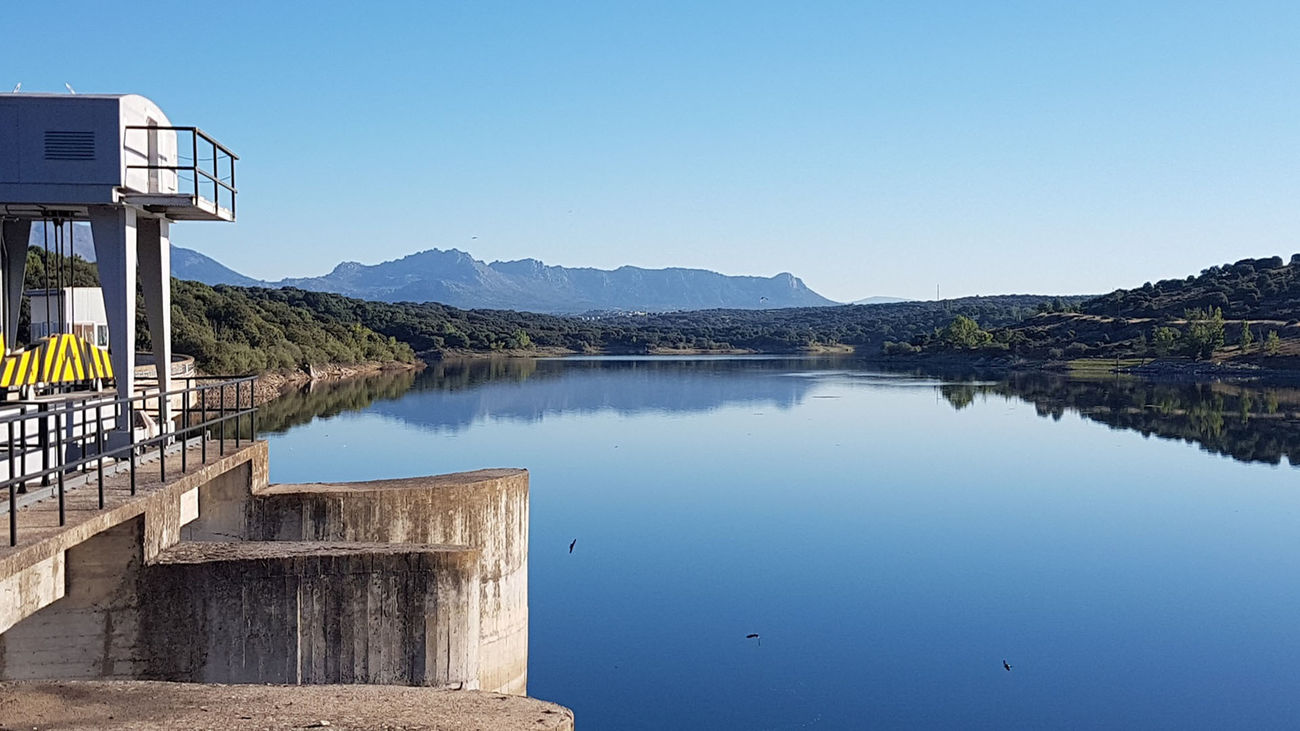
<point>486,510</point>
<point>312,613</point>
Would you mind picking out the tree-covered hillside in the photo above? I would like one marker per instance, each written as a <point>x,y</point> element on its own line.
<point>239,330</point>
<point>235,330</point>
<point>1251,289</point>
<point>1248,309</point>
<point>437,329</point>
<point>232,329</point>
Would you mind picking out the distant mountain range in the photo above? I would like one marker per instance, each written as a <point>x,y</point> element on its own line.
<point>879,301</point>
<point>190,264</point>
<point>455,278</point>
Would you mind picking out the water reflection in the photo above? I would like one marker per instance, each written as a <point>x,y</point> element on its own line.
<point>326,399</point>
<point>1249,423</point>
<point>453,395</point>
<point>896,533</point>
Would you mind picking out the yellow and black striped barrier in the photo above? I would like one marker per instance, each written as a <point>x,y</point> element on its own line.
<point>60,358</point>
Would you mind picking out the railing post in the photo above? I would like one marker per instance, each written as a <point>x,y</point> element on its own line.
<point>185,423</point>
<point>222,419</point>
<point>239,408</point>
<point>13,492</point>
<point>203,423</point>
<point>131,452</point>
<point>216,176</point>
<point>162,449</point>
<point>22,437</point>
<point>99,446</point>
<point>44,441</point>
<point>194,147</point>
<point>58,440</point>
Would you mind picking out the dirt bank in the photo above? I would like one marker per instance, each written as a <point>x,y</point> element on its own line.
<point>559,352</point>
<point>272,384</point>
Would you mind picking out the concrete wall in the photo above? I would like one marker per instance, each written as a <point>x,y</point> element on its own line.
<point>84,620</point>
<point>312,613</point>
<point>485,509</point>
<point>94,630</point>
<point>218,577</point>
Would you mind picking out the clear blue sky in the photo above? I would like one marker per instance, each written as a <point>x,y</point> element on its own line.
<point>870,148</point>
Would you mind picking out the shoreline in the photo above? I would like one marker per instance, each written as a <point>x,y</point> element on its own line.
<point>557,352</point>
<point>1153,369</point>
<point>273,384</point>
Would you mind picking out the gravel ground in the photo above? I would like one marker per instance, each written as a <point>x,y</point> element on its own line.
<point>175,706</point>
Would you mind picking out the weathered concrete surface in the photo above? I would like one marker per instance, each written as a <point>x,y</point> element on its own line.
<point>93,631</point>
<point>312,613</point>
<point>484,509</point>
<point>184,706</point>
<point>32,587</point>
<point>421,581</point>
<point>82,620</point>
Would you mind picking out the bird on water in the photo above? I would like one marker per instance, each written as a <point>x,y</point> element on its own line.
<point>754,636</point>
<point>571,545</point>
<point>1005,665</point>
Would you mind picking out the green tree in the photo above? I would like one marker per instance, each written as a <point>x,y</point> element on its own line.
<point>1246,337</point>
<point>1164,340</point>
<point>1272,343</point>
<point>963,332</point>
<point>1204,331</point>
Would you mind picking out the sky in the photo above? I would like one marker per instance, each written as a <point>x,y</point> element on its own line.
<point>871,149</point>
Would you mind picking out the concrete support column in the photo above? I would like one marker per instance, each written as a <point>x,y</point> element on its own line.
<point>14,236</point>
<point>114,231</point>
<point>156,281</point>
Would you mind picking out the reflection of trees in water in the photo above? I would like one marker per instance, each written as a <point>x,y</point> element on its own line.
<point>454,393</point>
<point>330,399</point>
<point>960,395</point>
<point>1248,423</point>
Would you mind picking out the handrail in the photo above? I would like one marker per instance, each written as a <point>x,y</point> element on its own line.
<point>186,168</point>
<point>198,166</point>
<point>186,128</point>
<point>201,418</point>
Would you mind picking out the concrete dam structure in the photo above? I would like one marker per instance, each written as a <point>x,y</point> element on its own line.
<point>148,562</point>
<point>214,576</point>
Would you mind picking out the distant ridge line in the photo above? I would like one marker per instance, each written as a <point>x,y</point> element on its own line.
<point>453,277</point>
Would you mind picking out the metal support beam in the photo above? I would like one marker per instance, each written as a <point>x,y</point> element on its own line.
<point>114,231</point>
<point>156,281</point>
<point>14,235</point>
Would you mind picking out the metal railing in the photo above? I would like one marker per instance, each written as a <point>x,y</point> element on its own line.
<point>201,177</point>
<point>68,437</point>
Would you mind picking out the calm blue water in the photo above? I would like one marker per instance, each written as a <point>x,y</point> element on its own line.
<point>892,538</point>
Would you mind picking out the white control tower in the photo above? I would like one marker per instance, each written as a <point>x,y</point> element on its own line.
<point>116,161</point>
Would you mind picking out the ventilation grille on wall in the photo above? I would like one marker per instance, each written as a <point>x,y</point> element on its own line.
<point>69,145</point>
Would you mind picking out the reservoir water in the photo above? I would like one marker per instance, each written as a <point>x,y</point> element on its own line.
<point>1129,549</point>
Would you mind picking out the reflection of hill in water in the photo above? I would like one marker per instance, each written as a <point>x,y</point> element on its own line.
<point>330,399</point>
<point>1246,422</point>
<point>453,395</point>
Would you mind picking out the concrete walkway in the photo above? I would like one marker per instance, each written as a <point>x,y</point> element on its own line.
<point>38,510</point>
